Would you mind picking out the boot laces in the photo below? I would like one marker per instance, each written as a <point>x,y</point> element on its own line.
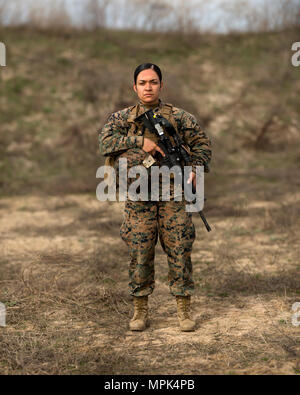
<point>184,307</point>
<point>141,308</point>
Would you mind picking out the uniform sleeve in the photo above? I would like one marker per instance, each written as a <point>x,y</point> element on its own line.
<point>197,140</point>
<point>113,137</point>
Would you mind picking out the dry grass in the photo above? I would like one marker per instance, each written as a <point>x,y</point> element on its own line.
<point>68,307</point>
<point>63,268</point>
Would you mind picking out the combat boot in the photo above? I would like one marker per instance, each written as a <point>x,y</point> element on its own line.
<point>139,320</point>
<point>183,312</point>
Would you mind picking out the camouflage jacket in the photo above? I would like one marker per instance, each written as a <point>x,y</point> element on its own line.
<point>120,133</point>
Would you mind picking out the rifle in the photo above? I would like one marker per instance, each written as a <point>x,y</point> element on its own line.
<point>176,155</point>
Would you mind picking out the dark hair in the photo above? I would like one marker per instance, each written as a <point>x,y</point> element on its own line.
<point>146,66</point>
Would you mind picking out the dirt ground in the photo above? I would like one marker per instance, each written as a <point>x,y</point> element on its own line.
<point>63,265</point>
<point>64,284</point>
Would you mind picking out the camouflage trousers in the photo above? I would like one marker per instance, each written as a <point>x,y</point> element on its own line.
<point>144,222</point>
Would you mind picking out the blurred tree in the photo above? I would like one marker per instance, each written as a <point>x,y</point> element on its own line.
<point>95,13</point>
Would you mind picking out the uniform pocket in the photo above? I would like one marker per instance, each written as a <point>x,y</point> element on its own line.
<point>125,227</point>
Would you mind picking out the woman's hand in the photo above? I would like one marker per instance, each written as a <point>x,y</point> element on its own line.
<point>192,177</point>
<point>150,147</point>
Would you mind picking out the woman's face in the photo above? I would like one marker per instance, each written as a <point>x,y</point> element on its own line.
<point>148,86</point>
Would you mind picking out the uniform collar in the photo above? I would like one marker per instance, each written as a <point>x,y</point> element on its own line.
<point>143,108</point>
<point>140,109</point>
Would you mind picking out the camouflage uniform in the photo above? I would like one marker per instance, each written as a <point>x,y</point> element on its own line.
<point>144,221</point>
